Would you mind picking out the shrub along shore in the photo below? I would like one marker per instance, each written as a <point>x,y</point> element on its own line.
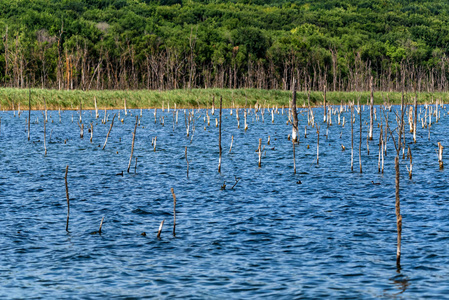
<point>10,98</point>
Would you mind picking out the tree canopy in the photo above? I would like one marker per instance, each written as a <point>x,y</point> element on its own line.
<point>169,44</point>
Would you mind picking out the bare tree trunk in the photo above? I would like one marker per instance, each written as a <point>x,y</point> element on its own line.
<point>219,138</point>
<point>132,145</point>
<point>398,213</point>
<point>324,104</point>
<point>295,116</point>
<point>371,120</point>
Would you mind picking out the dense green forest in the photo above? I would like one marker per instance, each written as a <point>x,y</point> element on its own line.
<point>268,44</point>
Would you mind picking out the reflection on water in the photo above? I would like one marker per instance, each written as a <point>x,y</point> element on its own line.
<point>333,235</point>
<point>401,282</point>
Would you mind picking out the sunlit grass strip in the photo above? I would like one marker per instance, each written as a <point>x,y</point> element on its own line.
<point>114,99</point>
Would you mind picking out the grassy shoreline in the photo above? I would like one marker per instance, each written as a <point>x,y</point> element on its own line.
<point>10,98</point>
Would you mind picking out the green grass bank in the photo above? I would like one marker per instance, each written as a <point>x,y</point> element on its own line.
<point>10,98</point>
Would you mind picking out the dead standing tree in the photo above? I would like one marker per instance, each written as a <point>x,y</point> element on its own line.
<point>132,145</point>
<point>371,110</point>
<point>294,125</point>
<point>398,145</point>
<point>219,138</point>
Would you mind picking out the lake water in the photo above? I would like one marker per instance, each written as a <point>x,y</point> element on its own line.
<point>332,236</point>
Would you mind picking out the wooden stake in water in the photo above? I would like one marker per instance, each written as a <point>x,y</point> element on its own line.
<point>318,144</point>
<point>187,162</point>
<point>81,111</point>
<point>160,229</point>
<point>380,148</point>
<point>410,170</point>
<point>398,213</point>
<point>232,140</point>
<point>295,117</point>
<point>352,137</point>
<point>110,128</point>
<point>67,196</point>
<point>324,103</point>
<point>101,225</point>
<point>29,112</point>
<point>91,131</point>
<point>174,211</point>
<point>371,111</point>
<point>45,108</point>
<point>81,126</point>
<point>45,137</point>
<point>219,138</point>
<point>415,121</point>
<point>360,144</point>
<point>440,155</point>
<point>294,159</point>
<point>96,108</point>
<point>260,152</point>
<point>132,144</point>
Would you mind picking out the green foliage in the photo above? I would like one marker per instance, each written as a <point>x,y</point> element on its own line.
<point>211,36</point>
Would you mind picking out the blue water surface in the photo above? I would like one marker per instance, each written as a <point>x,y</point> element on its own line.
<point>334,235</point>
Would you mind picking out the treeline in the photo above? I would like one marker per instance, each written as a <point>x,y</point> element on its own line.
<point>174,44</point>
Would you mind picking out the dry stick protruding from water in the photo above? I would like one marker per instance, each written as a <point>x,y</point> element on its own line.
<point>360,143</point>
<point>232,140</point>
<point>396,167</point>
<point>318,144</point>
<point>380,148</point>
<point>45,137</point>
<point>236,181</point>
<point>81,111</point>
<point>415,118</point>
<point>260,153</point>
<point>110,128</point>
<point>101,225</point>
<point>237,117</point>
<point>45,108</point>
<point>154,144</point>
<point>96,108</point>
<point>294,115</point>
<point>29,112</point>
<point>352,137</point>
<point>219,138</point>
<point>294,159</point>
<point>371,111</point>
<point>105,116</point>
<point>132,144</point>
<point>409,154</point>
<point>367,142</point>
<point>324,104</point>
<point>185,154</point>
<point>160,229</point>
<point>294,125</point>
<point>440,155</point>
<point>174,211</point>
<point>81,126</point>
<point>67,196</point>
<point>398,213</point>
<point>91,131</point>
